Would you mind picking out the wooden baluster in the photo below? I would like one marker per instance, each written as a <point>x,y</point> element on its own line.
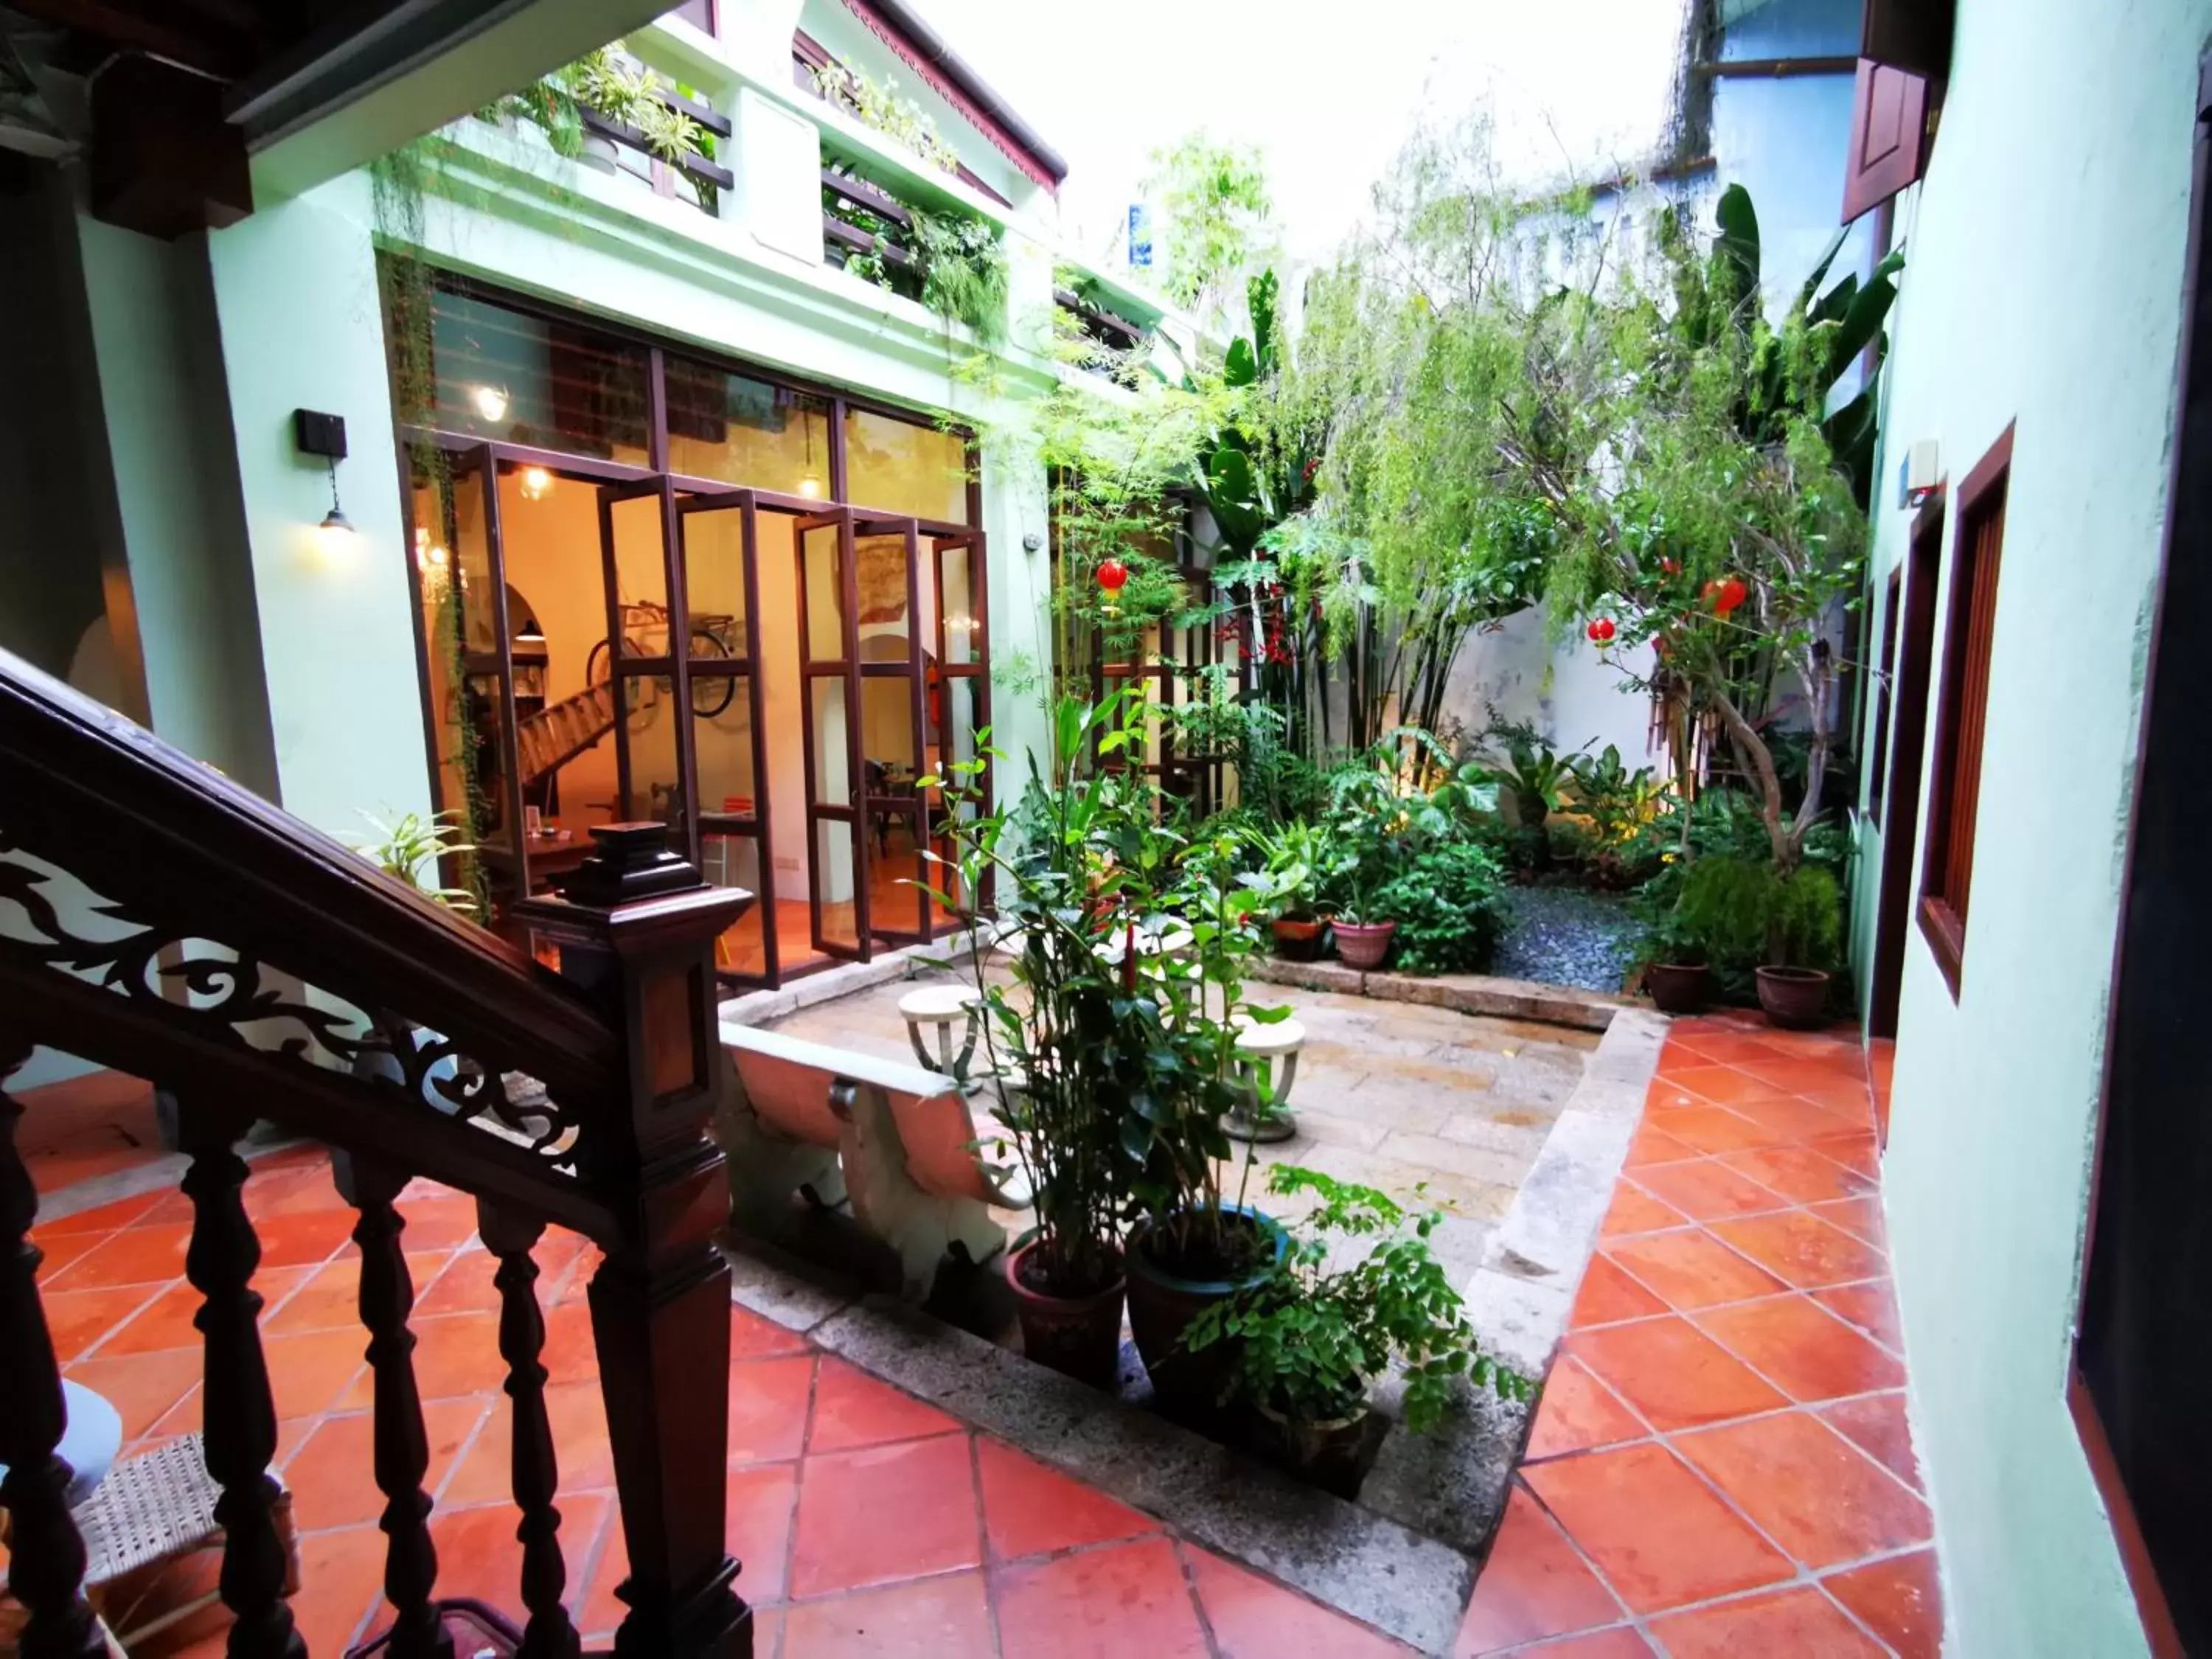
<point>511,1236</point>
<point>45,1569</point>
<point>636,933</point>
<point>239,1434</point>
<point>402,1454</point>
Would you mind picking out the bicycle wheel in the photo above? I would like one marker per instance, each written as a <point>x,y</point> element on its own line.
<point>599,664</point>
<point>709,697</point>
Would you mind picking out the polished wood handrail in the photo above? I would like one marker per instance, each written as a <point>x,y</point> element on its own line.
<point>162,834</point>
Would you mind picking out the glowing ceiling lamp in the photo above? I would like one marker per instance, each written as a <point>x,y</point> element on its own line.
<point>490,402</point>
<point>537,483</point>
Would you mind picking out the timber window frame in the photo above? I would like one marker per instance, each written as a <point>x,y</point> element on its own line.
<point>1946,858</point>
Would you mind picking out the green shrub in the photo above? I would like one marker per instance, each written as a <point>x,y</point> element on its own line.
<point>1738,914</point>
<point>1446,905</point>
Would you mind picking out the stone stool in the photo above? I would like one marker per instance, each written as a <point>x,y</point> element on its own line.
<point>1258,1047</point>
<point>938,1006</point>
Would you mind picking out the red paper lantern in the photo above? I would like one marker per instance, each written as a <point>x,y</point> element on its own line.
<point>1601,630</point>
<point>1725,595</point>
<point>1113,575</point>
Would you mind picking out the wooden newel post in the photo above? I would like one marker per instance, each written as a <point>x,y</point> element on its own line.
<point>636,930</point>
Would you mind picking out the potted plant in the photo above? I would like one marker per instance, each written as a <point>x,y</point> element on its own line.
<point>1301,858</point>
<point>1368,820</point>
<point>1804,927</point>
<point>1310,1339</point>
<point>1675,971</point>
<point>1073,1059</point>
<point>1192,1243</point>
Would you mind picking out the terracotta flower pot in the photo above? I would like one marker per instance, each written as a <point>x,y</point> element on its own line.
<point>1796,999</point>
<point>1364,944</point>
<point>1333,1454</point>
<point>1678,987</point>
<point>1079,1336</point>
<point>1297,941</point>
<point>1162,1303</point>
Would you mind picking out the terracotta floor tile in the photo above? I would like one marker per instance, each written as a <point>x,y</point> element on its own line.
<point>1722,1085</point>
<point>1878,1426</point>
<point>1634,1210</point>
<point>438,1224</point>
<point>935,1619</point>
<point>1800,1623</point>
<point>328,1298</point>
<point>768,1400</point>
<point>140,1387</point>
<point>1690,1269</point>
<point>331,1476</point>
<point>57,1256</point>
<point>1795,1074</point>
<point>308,1374</point>
<point>480,1557</point>
<point>1254,1618</point>
<point>1706,1188</point>
<point>1709,1129</point>
<point>1577,1413</point>
<point>1856,1152</point>
<point>1651,1146</point>
<point>884,1513</point>
<point>752,1337</point>
<point>100,1218</point>
<point>1802,1176</point>
<point>185,1418</point>
<point>1127,1602</point>
<point>1809,1488</point>
<point>1870,1306</point>
<point>1794,1118</point>
<point>757,1515</point>
<point>465,1285</point>
<point>1859,1217</point>
<point>852,1409</point>
<point>1673,1374</point>
<point>1608,1295</point>
<point>1803,1250</point>
<point>457,1353</point>
<point>1655,1531</point>
<point>1805,1351</point>
<point>139,1256</point>
<point>1899,1601</point>
<point>571,1353</point>
<point>1532,1586</point>
<point>1620,1642</point>
<point>577,1414</point>
<point>303,1237</point>
<point>77,1319</point>
<point>1029,1508</point>
<point>1717,1048</point>
<point>344,1575</point>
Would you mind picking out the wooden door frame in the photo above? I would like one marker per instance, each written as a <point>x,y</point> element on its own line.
<point>1908,747</point>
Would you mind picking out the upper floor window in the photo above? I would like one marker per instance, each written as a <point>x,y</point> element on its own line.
<point>701,14</point>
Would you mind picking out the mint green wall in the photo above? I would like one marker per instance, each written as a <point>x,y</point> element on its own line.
<point>296,298</point>
<point>2043,285</point>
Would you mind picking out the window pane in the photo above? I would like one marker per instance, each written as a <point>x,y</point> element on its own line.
<point>503,373</point>
<point>886,628</point>
<point>722,732</point>
<point>825,594</point>
<point>655,779</point>
<point>640,575</point>
<point>714,584</point>
<point>900,466</point>
<point>734,861</point>
<point>744,431</point>
<point>835,865</point>
<point>963,625</point>
<point>825,702</point>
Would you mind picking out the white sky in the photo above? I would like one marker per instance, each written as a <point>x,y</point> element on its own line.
<point>1327,88</point>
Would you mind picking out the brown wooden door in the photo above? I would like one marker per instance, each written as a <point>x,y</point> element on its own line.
<point>1908,704</point>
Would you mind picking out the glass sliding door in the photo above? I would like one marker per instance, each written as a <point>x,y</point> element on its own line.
<point>646,658</point>
<point>718,539</point>
<point>893,631</point>
<point>957,684</point>
<point>830,733</point>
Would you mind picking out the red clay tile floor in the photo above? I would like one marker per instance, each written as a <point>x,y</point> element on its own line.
<point>1720,1464</point>
<point>868,1522</point>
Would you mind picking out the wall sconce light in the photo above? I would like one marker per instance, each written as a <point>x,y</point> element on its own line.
<point>315,433</point>
<point>537,483</point>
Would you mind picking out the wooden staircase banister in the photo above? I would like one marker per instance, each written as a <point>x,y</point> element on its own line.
<point>75,778</point>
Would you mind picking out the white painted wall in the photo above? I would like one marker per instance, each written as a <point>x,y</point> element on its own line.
<point>1576,696</point>
<point>2043,286</point>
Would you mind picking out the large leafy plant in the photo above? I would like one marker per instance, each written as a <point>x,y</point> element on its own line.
<point>1446,905</point>
<point>1311,1339</point>
<point>410,848</point>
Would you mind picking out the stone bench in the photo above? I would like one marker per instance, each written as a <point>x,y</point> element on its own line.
<point>900,1143</point>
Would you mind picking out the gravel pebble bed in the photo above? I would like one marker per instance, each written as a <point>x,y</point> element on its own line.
<point>1566,936</point>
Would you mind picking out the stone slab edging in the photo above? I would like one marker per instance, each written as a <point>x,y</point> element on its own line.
<point>1469,994</point>
<point>1347,1557</point>
<point>759,1008</point>
<point>1534,1261</point>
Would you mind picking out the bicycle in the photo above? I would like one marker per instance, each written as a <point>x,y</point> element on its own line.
<point>645,634</point>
